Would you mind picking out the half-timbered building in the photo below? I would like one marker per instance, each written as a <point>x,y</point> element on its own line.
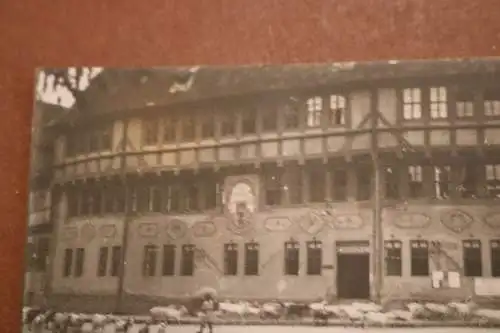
<point>358,181</point>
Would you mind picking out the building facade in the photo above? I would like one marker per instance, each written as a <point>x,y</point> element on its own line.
<point>367,181</point>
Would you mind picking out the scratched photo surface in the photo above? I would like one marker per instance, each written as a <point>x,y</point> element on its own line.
<point>360,196</point>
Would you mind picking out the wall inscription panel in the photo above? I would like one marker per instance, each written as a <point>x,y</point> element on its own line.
<point>148,229</point>
<point>440,137</point>
<point>347,222</point>
<point>279,223</point>
<point>226,153</point>
<point>204,229</point>
<point>466,137</point>
<point>313,146</point>
<point>269,149</point>
<point>492,220</point>
<point>248,151</point>
<point>411,221</point>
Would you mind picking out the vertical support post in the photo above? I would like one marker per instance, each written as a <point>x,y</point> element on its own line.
<point>377,227</point>
<point>126,224</point>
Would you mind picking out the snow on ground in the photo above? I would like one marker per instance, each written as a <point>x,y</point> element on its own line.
<point>304,329</point>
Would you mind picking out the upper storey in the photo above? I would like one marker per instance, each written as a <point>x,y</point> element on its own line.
<point>164,120</point>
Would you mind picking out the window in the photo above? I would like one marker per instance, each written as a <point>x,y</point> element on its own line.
<point>495,257</point>
<point>339,185</point>
<point>392,183</point>
<point>169,129</point>
<point>230,259</point>
<point>210,192</point>
<point>337,110</point>
<point>155,199</point>
<point>441,182</point>
<point>116,260</point>
<point>106,138</point>
<point>492,102</point>
<point>314,111</point>
<point>415,181</point>
<point>419,257</point>
<point>168,268</point>
<point>292,184</point>
<point>473,265</point>
<point>67,262</point>
<point>228,124</point>
<point>291,258</point>
<point>187,260</point>
<point>191,198</point>
<point>248,122</point>
<point>314,258</point>
<point>317,186</point>
<point>493,180</point>
<point>412,103</point>
<point>85,202</point>
<point>292,117</point>
<point>72,199</point>
<point>188,128</point>
<point>42,253</point>
<point>269,121</point>
<point>438,106</point>
<point>207,126</point>
<point>468,186</point>
<point>272,185</point>
<point>364,182</point>
<point>464,103</point>
<point>150,130</point>
<point>149,260</point>
<point>102,263</point>
<point>251,258</point>
<point>96,198</point>
<point>79,262</point>
<point>393,266</point>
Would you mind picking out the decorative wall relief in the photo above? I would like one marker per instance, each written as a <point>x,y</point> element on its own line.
<point>411,221</point>
<point>347,222</point>
<point>311,222</point>
<point>148,230</point>
<point>492,220</point>
<point>204,229</point>
<point>176,229</point>
<point>456,220</point>
<point>69,233</point>
<point>279,223</point>
<point>107,231</point>
<point>87,232</point>
<point>240,198</point>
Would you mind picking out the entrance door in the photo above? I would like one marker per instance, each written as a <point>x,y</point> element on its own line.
<point>353,274</point>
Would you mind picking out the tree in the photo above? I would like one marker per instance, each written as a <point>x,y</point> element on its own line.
<point>64,86</point>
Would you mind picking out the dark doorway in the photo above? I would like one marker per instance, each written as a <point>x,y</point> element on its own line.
<point>353,275</point>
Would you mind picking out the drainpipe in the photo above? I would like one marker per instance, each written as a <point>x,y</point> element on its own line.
<point>377,227</point>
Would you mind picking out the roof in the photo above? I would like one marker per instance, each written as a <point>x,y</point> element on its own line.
<point>116,89</point>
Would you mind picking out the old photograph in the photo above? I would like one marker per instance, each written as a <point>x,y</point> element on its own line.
<point>300,198</point>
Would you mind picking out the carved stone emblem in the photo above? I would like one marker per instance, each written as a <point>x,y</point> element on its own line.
<point>411,221</point>
<point>281,223</point>
<point>312,222</point>
<point>204,229</point>
<point>176,229</point>
<point>492,220</point>
<point>148,230</point>
<point>456,220</point>
<point>346,222</point>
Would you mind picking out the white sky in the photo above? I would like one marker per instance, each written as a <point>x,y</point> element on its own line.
<point>61,95</point>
